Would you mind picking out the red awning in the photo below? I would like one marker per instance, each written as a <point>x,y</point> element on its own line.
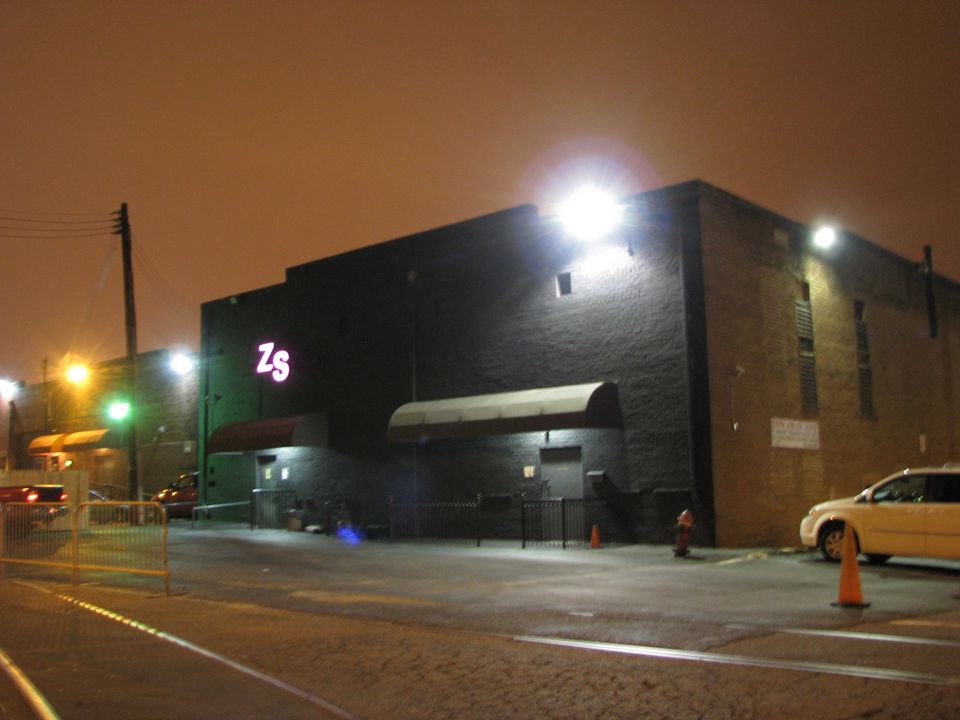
<point>294,431</point>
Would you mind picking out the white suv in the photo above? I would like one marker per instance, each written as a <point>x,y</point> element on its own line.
<point>913,512</point>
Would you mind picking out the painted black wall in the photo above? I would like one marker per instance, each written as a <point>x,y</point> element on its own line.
<point>470,309</point>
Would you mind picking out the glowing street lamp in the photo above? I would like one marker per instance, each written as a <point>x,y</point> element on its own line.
<point>589,214</point>
<point>119,410</point>
<point>8,390</point>
<point>181,363</point>
<point>77,373</point>
<point>824,237</point>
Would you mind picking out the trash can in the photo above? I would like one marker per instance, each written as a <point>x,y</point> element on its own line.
<point>295,520</point>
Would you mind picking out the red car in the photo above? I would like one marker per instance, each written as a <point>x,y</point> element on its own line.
<point>180,497</point>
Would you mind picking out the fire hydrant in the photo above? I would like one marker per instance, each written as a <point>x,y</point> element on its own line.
<point>684,527</point>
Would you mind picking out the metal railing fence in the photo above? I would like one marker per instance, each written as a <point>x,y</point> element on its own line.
<point>269,506</point>
<point>442,520</point>
<point>122,536</point>
<point>562,521</point>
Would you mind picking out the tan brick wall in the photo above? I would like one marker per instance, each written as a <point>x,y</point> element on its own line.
<point>751,284</point>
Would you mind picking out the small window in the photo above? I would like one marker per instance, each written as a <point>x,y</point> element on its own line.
<point>343,327</point>
<point>944,488</point>
<point>564,284</point>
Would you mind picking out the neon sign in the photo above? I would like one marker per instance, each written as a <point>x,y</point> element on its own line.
<point>277,363</point>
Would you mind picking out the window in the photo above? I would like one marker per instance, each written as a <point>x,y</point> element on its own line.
<point>805,350</point>
<point>864,373</point>
<point>564,284</point>
<point>343,327</point>
<point>944,488</point>
<point>906,489</point>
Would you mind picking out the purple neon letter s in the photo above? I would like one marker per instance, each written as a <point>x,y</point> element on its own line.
<point>281,365</point>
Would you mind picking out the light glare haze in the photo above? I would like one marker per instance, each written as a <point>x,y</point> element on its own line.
<point>247,137</point>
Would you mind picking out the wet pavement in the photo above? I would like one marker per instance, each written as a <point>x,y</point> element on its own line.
<point>431,631</point>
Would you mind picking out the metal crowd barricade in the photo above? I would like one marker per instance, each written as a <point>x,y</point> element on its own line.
<point>442,520</point>
<point>561,521</point>
<point>269,506</point>
<point>126,537</point>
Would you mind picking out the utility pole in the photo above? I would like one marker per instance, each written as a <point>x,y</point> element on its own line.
<point>122,229</point>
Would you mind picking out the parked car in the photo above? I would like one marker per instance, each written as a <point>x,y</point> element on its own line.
<point>32,493</point>
<point>180,497</point>
<point>20,519</point>
<point>913,512</point>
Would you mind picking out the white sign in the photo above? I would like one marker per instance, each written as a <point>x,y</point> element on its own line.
<point>277,363</point>
<point>798,434</point>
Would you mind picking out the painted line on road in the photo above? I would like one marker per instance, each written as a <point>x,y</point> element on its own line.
<point>745,661</point>
<point>31,696</point>
<point>875,637</point>
<point>199,650</point>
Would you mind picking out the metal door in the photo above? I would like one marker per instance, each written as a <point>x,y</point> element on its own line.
<point>561,471</point>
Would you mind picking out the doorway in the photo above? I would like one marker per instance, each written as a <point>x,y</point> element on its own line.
<point>561,473</point>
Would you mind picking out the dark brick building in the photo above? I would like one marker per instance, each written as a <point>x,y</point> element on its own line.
<point>58,425</point>
<point>704,355</point>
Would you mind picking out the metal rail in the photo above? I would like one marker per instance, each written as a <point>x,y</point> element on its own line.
<point>116,536</point>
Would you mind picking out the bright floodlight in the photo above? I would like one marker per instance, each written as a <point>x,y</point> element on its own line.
<point>8,389</point>
<point>78,373</point>
<point>590,214</point>
<point>119,410</point>
<point>824,237</point>
<point>181,363</point>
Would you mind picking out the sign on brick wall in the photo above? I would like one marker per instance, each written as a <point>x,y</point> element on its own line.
<point>798,434</point>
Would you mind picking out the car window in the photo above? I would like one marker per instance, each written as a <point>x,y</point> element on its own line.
<point>944,488</point>
<point>909,488</point>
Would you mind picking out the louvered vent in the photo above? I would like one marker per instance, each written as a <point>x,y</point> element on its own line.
<point>865,374</point>
<point>808,368</point>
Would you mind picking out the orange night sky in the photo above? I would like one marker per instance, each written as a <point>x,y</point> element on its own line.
<point>250,136</point>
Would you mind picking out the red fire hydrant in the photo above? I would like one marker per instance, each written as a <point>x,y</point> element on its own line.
<point>684,527</point>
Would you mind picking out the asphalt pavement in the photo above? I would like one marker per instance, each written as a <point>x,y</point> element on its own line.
<point>450,630</point>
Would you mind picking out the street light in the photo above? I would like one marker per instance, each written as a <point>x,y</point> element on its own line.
<point>119,410</point>
<point>77,373</point>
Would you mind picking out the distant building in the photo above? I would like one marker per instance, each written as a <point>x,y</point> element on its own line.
<point>706,355</point>
<point>58,425</point>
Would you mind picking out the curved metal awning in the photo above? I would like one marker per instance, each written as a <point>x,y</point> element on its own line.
<point>46,444</point>
<point>308,430</point>
<point>93,440</point>
<point>570,406</point>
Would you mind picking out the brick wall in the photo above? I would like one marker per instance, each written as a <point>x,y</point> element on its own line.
<point>755,264</point>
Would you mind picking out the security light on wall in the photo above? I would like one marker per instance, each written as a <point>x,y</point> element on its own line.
<point>589,214</point>
<point>77,373</point>
<point>8,389</point>
<point>825,237</point>
<point>181,363</point>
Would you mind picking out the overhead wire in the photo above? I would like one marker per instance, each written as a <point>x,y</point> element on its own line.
<point>97,291</point>
<point>54,226</point>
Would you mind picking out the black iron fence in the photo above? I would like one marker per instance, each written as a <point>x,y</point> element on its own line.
<point>269,507</point>
<point>562,521</point>
<point>554,522</point>
<point>442,520</point>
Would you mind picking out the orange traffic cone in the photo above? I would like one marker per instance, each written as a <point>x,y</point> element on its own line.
<point>850,595</point>
<point>595,537</point>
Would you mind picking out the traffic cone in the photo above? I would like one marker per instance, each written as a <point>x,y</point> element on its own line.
<point>850,595</point>
<point>595,537</point>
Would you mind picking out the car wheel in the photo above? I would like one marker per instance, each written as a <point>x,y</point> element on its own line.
<point>875,559</point>
<point>831,542</point>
